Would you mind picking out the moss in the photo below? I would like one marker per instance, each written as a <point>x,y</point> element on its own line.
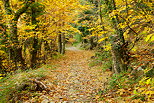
<point>14,85</point>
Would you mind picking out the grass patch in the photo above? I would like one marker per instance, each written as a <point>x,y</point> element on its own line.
<point>11,85</point>
<point>57,56</point>
<point>76,44</point>
<point>95,63</point>
<point>106,65</point>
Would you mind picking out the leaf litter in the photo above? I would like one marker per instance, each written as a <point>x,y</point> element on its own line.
<point>73,81</point>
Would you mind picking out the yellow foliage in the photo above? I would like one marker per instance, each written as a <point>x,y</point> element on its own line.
<point>113,13</point>
<point>102,39</point>
<point>107,47</point>
<point>120,91</point>
<point>150,37</point>
<point>145,87</point>
<point>1,78</point>
<point>16,4</point>
<point>59,15</point>
<point>2,52</point>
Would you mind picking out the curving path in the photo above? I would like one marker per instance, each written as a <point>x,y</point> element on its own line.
<point>74,81</point>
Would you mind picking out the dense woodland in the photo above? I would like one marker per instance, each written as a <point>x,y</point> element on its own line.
<point>120,32</point>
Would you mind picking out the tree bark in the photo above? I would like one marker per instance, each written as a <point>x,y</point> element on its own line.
<point>59,43</point>
<point>35,46</point>
<point>118,47</point>
<point>15,50</point>
<point>117,58</point>
<point>34,52</point>
<point>63,43</point>
<point>117,40</point>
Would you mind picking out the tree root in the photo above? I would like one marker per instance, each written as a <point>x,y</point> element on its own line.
<point>40,86</point>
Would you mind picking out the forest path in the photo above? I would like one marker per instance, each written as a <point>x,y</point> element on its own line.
<point>74,81</point>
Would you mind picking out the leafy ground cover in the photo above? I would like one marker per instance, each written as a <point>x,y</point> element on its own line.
<point>19,86</point>
<point>72,80</point>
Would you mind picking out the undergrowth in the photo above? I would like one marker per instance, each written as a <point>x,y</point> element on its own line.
<point>125,87</point>
<point>103,59</point>
<point>15,86</point>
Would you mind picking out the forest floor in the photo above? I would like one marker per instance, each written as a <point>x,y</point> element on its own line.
<point>73,80</point>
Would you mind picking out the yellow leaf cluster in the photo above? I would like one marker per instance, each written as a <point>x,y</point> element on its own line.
<point>102,39</point>
<point>60,14</point>
<point>145,87</point>
<point>150,37</point>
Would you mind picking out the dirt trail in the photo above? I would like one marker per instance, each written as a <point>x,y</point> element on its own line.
<point>74,81</point>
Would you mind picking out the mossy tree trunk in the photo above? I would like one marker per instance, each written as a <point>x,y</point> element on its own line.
<point>15,50</point>
<point>119,62</point>
<point>119,47</point>
<point>35,44</point>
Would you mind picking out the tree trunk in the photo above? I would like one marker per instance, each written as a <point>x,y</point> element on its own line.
<point>118,48</point>
<point>117,58</point>
<point>35,46</point>
<point>15,51</point>
<point>59,43</point>
<point>63,43</point>
<point>34,52</point>
<point>92,43</point>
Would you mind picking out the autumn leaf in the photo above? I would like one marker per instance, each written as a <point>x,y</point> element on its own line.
<point>102,39</point>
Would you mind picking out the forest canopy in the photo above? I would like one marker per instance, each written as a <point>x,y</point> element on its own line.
<point>119,32</point>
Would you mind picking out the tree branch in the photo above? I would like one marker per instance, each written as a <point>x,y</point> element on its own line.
<point>137,38</point>
<point>22,10</point>
<point>7,7</point>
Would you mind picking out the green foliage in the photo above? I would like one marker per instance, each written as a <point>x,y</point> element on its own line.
<point>95,63</point>
<point>78,39</point>
<point>150,72</point>
<point>116,80</point>
<point>103,55</point>
<point>107,65</point>
<point>38,8</point>
<point>122,81</point>
<point>103,59</point>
